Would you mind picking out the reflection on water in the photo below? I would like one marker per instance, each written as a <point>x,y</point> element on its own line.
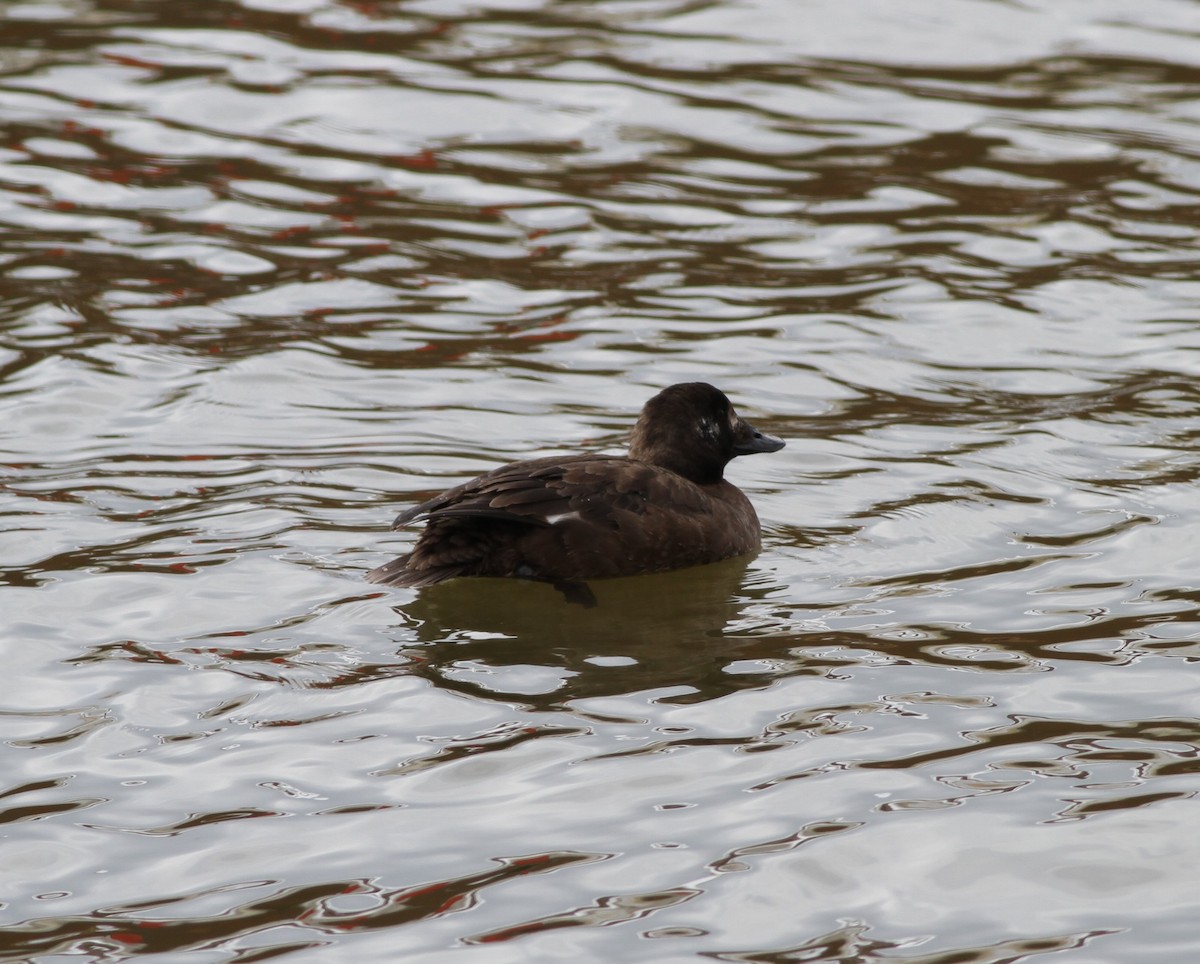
<point>493,639</point>
<point>273,269</point>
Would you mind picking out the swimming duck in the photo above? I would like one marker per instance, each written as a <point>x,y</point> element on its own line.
<point>569,519</point>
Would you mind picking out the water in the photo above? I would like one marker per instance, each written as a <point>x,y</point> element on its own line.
<point>273,270</point>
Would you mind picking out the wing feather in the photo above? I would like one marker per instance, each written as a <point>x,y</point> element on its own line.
<point>531,493</point>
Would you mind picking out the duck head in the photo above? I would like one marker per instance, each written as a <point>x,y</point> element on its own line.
<point>693,430</point>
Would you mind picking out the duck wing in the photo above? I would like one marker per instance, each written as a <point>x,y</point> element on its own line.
<point>541,492</point>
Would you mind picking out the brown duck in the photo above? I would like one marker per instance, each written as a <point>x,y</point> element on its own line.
<point>568,519</point>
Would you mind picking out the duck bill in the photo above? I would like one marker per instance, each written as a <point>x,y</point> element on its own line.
<point>748,440</point>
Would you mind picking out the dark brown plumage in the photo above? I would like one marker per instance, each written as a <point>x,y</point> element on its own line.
<point>568,519</point>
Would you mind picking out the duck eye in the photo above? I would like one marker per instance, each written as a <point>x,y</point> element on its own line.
<point>709,430</point>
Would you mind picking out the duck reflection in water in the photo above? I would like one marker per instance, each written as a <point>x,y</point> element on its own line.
<point>516,643</point>
<point>567,520</point>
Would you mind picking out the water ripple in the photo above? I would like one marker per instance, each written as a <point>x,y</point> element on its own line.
<point>272,272</point>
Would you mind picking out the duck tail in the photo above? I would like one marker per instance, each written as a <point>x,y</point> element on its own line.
<point>399,573</point>
<point>392,573</point>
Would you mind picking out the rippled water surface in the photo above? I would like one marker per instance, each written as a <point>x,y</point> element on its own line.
<point>273,269</point>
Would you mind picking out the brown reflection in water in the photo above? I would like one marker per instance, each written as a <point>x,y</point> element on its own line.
<point>436,234</point>
<point>498,625</point>
<point>1079,809</point>
<point>669,630</point>
<point>26,810</point>
<point>1030,730</point>
<point>1126,397</point>
<point>194,821</point>
<point>850,945</point>
<point>499,738</point>
<point>615,909</point>
<point>1081,752</point>
<point>735,860</point>
<point>680,630</point>
<point>144,929</point>
<point>1123,638</point>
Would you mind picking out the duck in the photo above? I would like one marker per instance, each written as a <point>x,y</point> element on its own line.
<point>567,520</point>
